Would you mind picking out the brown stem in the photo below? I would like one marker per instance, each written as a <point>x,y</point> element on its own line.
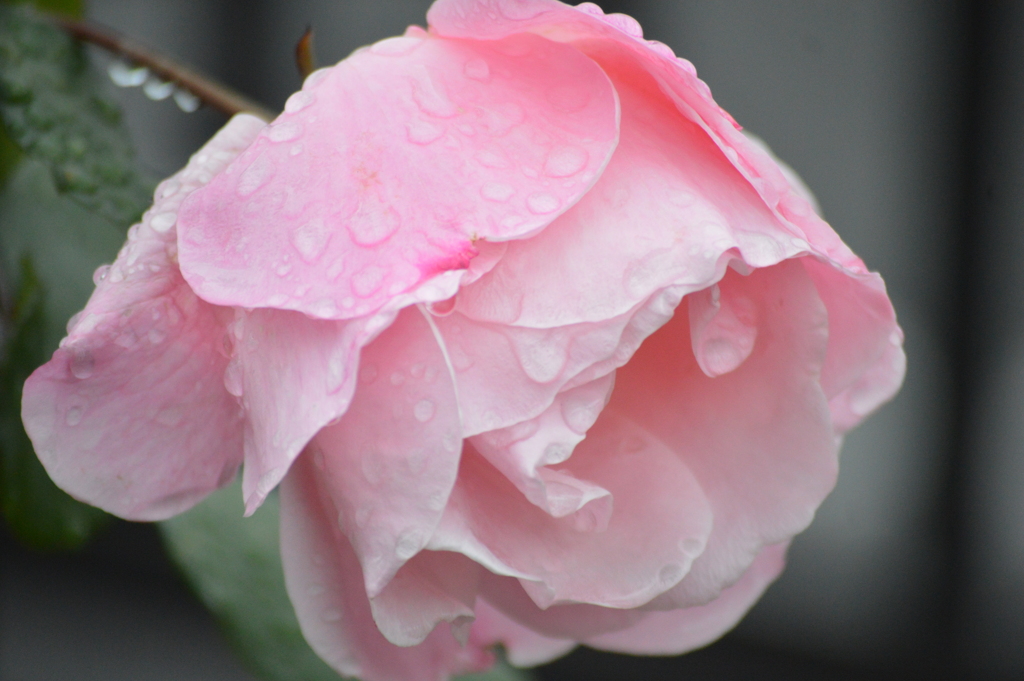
<point>209,91</point>
<point>305,55</point>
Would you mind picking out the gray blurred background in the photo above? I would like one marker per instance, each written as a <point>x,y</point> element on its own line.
<point>907,120</point>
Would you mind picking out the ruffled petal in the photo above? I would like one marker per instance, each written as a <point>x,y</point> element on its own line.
<point>325,584</point>
<point>524,452</point>
<point>645,548</point>
<point>532,366</point>
<point>523,646</point>
<point>433,587</point>
<point>390,463</point>
<point>385,169</point>
<point>759,439</point>
<point>679,631</point>
<point>131,413</point>
<point>686,208</point>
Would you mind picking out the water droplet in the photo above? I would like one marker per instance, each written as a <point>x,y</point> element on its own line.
<point>123,74</point>
<point>169,188</point>
<point>396,47</point>
<point>565,161</point>
<point>157,89</point>
<point>423,132</point>
<point>542,204</point>
<point>368,374</point>
<point>284,131</point>
<point>501,118</point>
<point>311,239</point>
<point>233,381</point>
<point>368,280</point>
<point>691,546</point>
<point>490,159</point>
<point>423,411</point>
<point>408,544</point>
<point>74,416</point>
<point>671,573</point>
<point>100,274</point>
<point>283,269</point>
<point>161,222</point>
<point>416,370</point>
<point>254,177</point>
<point>298,101</point>
<point>397,378</point>
<point>331,615</point>
<point>277,300</point>
<point>497,191</point>
<point>722,330</point>
<point>81,364</point>
<point>336,371</point>
<point>295,150</point>
<point>156,336</point>
<point>186,101</point>
<point>477,69</point>
<point>374,222</point>
<point>430,374</point>
<point>335,269</point>
<point>429,96</point>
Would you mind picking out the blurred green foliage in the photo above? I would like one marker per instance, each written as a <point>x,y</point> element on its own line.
<point>68,191</point>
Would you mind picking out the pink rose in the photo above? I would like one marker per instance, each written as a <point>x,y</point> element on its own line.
<point>541,348</point>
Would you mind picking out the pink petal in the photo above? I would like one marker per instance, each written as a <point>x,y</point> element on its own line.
<point>686,208</point>
<point>679,631</point>
<point>386,168</point>
<point>524,452</point>
<point>523,646</point>
<point>391,461</point>
<point>865,364</point>
<point>509,374</point>
<point>293,375</point>
<point>645,549</point>
<point>325,584</point>
<point>758,439</point>
<point>598,34</point>
<point>433,587</point>
<point>131,413</point>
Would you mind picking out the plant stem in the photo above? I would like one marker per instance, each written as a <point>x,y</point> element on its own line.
<point>209,91</point>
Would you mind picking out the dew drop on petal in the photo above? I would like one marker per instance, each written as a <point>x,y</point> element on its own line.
<point>255,176</point>
<point>285,131</point>
<point>423,132</point>
<point>161,222</point>
<point>298,101</point>
<point>397,378</point>
<point>671,573</point>
<point>497,191</point>
<point>423,411</point>
<point>565,161</point>
<point>542,204</point>
<point>408,544</point>
<point>74,416</point>
<point>373,223</point>
<point>100,274</point>
<point>81,363</point>
<point>430,97</point>
<point>477,69</point>
<point>311,239</point>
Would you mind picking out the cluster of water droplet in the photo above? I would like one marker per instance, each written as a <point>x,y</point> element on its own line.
<point>124,74</point>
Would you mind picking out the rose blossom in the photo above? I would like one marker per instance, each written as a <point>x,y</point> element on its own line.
<point>541,348</point>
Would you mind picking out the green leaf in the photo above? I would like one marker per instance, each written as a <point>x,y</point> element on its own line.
<point>69,8</point>
<point>52,106</point>
<point>38,513</point>
<point>234,564</point>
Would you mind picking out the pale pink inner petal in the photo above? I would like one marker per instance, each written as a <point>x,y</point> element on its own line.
<point>386,168</point>
<point>645,548</point>
<point>758,439</point>
<point>523,646</point>
<point>131,414</point>
<point>524,452</point>
<point>391,461</point>
<point>679,631</point>
<point>325,584</point>
<point>433,587</point>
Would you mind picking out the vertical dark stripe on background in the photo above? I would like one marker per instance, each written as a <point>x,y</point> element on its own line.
<point>964,322</point>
